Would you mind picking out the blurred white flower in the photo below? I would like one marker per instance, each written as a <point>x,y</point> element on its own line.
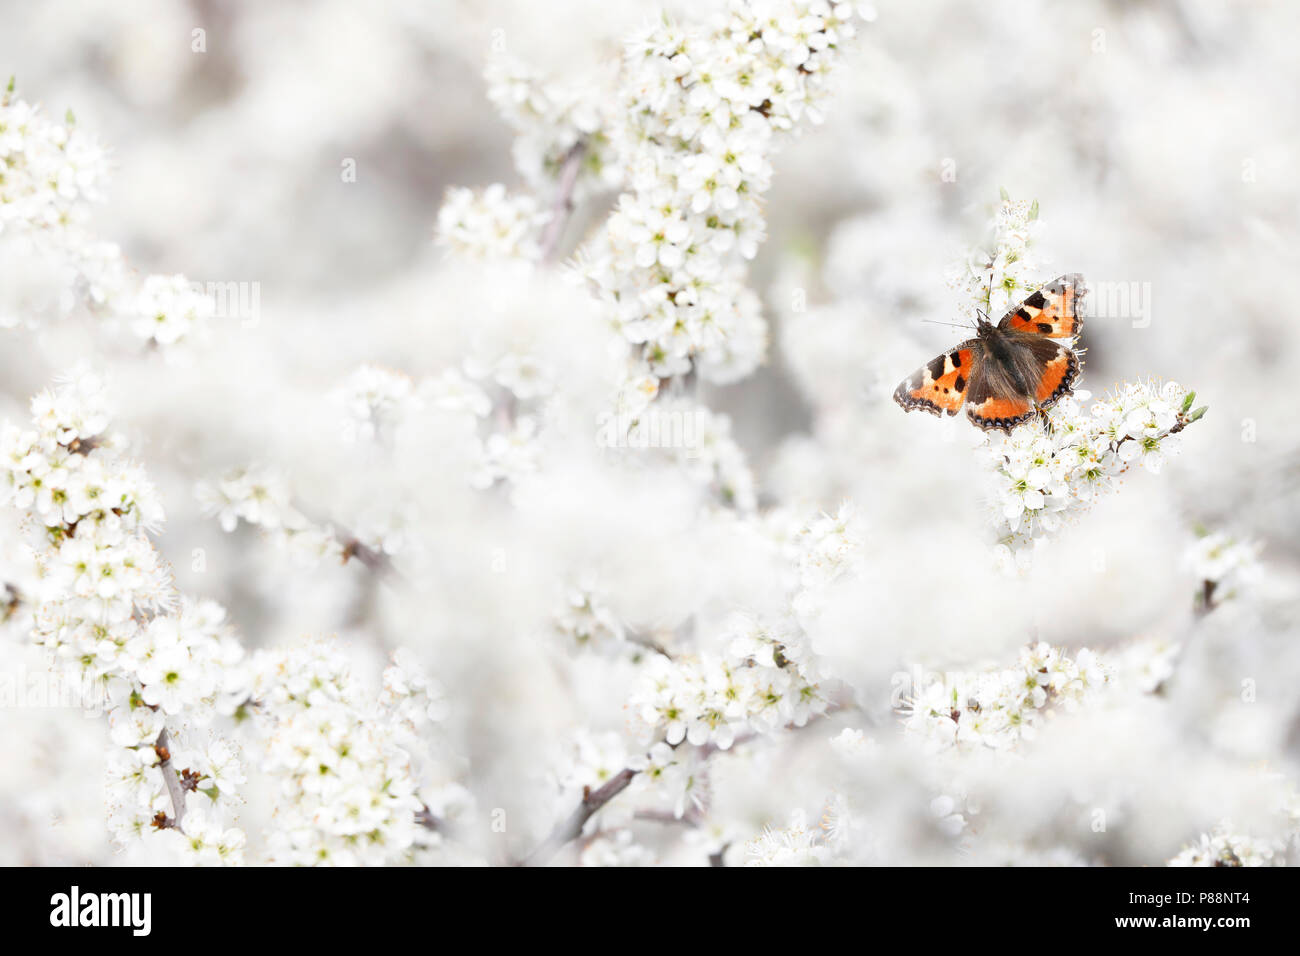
<point>1224,566</point>
<point>791,846</point>
<point>1223,847</point>
<point>169,308</point>
<point>490,224</point>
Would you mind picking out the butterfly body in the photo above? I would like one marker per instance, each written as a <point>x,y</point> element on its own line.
<point>1010,370</point>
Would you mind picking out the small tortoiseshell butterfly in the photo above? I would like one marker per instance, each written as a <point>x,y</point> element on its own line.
<point>1010,370</point>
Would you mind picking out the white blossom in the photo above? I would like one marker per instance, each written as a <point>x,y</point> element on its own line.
<point>999,709</point>
<point>1223,847</point>
<point>490,224</point>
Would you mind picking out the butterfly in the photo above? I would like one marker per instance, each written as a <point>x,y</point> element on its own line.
<point>1010,370</point>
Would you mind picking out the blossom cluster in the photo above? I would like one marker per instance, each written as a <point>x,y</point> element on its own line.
<point>213,773</point>
<point>999,272</point>
<point>1045,473</point>
<point>1143,665</point>
<point>669,778</point>
<point>754,675</point>
<point>169,308</point>
<point>796,845</point>
<point>348,794</point>
<point>618,849</point>
<point>822,550</point>
<point>53,170</point>
<point>1224,566</point>
<point>554,121</point>
<point>102,604</point>
<point>998,709</point>
<point>705,110</point>
<point>712,698</point>
<point>385,408</point>
<point>261,497</point>
<point>759,674</point>
<point>962,717</point>
<point>1223,847</point>
<point>409,694</point>
<point>490,224</point>
<point>53,265</point>
<point>689,134</point>
<point>584,620</point>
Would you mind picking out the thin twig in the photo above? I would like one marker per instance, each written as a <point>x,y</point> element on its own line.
<point>376,561</point>
<point>10,599</point>
<point>649,643</point>
<point>172,780</point>
<point>1202,605</point>
<point>571,828</point>
<point>691,818</point>
<point>563,204</point>
<point>429,820</point>
<point>1182,422</point>
<point>593,800</point>
<point>1206,602</point>
<point>353,548</point>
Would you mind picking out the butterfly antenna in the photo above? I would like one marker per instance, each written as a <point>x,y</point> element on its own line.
<point>955,325</point>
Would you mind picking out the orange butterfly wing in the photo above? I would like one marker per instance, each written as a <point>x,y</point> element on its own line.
<point>1003,412</point>
<point>1055,310</point>
<point>939,386</point>
<point>1059,374</point>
